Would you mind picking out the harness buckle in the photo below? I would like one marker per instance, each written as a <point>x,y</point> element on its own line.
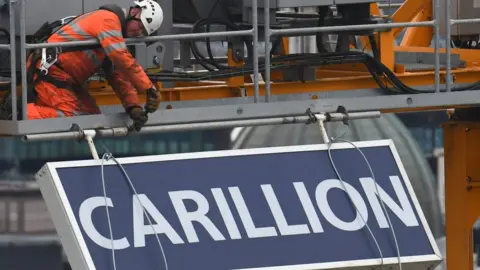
<point>49,58</point>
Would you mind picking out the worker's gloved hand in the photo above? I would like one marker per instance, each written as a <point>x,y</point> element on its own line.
<point>138,116</point>
<point>153,100</point>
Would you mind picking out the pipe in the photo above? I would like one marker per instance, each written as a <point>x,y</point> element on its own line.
<point>23,56</point>
<point>448,33</point>
<point>145,39</point>
<point>266,18</point>
<point>123,131</point>
<point>256,87</point>
<point>190,36</point>
<point>4,47</point>
<point>437,44</point>
<point>464,21</point>
<point>383,6</point>
<point>309,30</point>
<point>13,63</point>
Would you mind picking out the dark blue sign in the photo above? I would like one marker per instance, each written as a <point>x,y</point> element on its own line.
<point>243,209</point>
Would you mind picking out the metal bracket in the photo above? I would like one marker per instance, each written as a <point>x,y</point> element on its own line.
<point>342,110</point>
<point>320,119</point>
<point>88,136</point>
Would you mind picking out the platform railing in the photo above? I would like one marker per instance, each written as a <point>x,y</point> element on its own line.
<point>394,101</point>
<point>25,46</point>
<point>254,32</point>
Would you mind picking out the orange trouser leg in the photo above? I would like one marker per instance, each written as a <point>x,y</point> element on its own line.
<point>35,111</point>
<point>53,102</point>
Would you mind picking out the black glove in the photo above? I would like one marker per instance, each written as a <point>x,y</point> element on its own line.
<point>153,100</point>
<point>138,116</point>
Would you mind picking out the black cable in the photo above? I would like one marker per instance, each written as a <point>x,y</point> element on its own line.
<point>4,57</point>
<point>230,27</point>
<point>6,33</point>
<point>208,22</point>
<point>207,40</point>
<point>6,53</point>
<point>374,66</point>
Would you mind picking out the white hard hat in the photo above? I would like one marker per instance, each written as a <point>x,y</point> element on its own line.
<point>151,16</point>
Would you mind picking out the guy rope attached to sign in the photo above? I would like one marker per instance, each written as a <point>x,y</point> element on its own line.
<point>335,205</point>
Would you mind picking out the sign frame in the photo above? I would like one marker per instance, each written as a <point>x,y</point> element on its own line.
<point>79,257</point>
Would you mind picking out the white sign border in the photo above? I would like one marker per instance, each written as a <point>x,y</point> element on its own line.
<point>79,257</point>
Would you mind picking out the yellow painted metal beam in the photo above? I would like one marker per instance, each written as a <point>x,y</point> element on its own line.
<point>462,191</point>
<point>407,12</point>
<point>471,56</point>
<point>420,36</point>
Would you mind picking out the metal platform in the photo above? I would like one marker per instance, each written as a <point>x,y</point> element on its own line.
<point>261,101</point>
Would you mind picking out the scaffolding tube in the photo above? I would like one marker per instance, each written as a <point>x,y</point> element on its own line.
<point>312,30</point>
<point>448,33</point>
<point>436,44</point>
<point>190,36</point>
<point>13,63</point>
<point>124,131</point>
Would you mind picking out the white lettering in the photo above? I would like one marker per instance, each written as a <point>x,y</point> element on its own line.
<point>160,224</point>
<point>308,207</point>
<point>226,213</point>
<point>85,215</point>
<point>321,196</point>
<point>271,226</point>
<point>246,218</point>
<point>278,215</point>
<point>404,212</point>
<point>186,218</point>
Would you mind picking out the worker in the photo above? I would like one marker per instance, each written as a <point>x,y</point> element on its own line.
<point>60,88</point>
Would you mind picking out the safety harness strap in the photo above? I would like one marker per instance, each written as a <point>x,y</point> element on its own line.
<point>117,10</point>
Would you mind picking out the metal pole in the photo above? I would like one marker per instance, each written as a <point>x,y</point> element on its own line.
<point>255,51</point>
<point>291,31</point>
<point>437,44</point>
<point>23,57</point>
<point>311,30</point>
<point>4,47</point>
<point>464,21</point>
<point>13,64</point>
<point>448,33</point>
<point>382,6</point>
<point>123,131</point>
<point>266,8</point>
<point>190,36</point>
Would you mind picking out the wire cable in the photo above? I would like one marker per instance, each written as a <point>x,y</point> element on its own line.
<point>106,157</point>
<point>330,143</point>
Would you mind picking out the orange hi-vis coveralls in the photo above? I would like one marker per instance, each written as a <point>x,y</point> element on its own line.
<point>62,93</point>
